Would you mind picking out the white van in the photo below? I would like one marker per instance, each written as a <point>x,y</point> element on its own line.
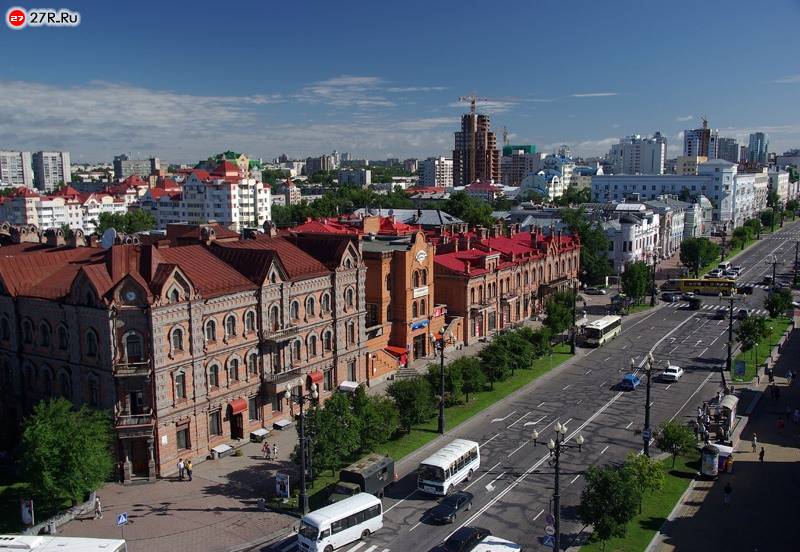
<point>340,523</point>
<point>496,544</point>
<point>724,266</point>
<point>448,467</point>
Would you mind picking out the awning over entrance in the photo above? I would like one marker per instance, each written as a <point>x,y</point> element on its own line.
<point>316,376</point>
<point>399,352</point>
<point>238,406</point>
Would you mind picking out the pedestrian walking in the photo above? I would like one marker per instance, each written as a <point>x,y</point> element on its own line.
<point>274,451</point>
<point>699,412</point>
<point>780,424</point>
<point>755,442</point>
<point>265,450</point>
<point>726,498</point>
<point>189,469</point>
<point>761,455</point>
<point>181,468</point>
<point>98,508</point>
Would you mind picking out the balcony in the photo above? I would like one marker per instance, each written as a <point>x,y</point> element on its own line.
<point>281,334</point>
<point>124,368</point>
<point>282,377</point>
<point>374,331</point>
<point>509,296</point>
<point>481,304</point>
<point>134,420</point>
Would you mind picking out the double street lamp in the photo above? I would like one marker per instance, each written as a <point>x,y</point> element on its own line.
<point>556,446</point>
<point>653,281</point>
<point>440,348</point>
<point>301,399</point>
<point>729,360</point>
<point>648,370</point>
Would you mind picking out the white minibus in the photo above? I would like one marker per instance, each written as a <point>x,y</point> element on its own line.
<point>602,330</point>
<point>448,467</point>
<point>46,543</point>
<point>340,523</point>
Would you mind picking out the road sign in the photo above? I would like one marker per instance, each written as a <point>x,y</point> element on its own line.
<point>739,369</point>
<point>549,530</point>
<point>549,540</point>
<point>550,519</point>
<point>122,519</point>
<point>646,434</point>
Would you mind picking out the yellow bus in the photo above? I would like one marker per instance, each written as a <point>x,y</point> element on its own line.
<point>708,286</point>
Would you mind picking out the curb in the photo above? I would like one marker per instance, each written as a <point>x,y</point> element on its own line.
<point>658,537</point>
<point>265,541</point>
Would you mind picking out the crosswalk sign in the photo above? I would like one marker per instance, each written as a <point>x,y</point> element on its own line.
<point>122,518</point>
<point>549,540</point>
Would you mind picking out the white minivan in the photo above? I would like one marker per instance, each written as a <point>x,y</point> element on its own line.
<point>340,523</point>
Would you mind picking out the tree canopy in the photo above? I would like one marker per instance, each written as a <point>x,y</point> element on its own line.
<point>778,302</point>
<point>698,252</point>
<point>558,311</point>
<point>469,209</point>
<point>594,245</point>
<point>636,280</point>
<point>137,220</point>
<point>414,400</point>
<point>751,330</point>
<point>674,438</point>
<point>608,501</point>
<point>645,473</point>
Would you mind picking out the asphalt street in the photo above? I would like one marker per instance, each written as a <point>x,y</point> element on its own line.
<point>514,486</point>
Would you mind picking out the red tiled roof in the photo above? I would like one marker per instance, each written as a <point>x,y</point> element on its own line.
<point>210,275</point>
<point>323,226</point>
<point>297,263</point>
<point>389,226</point>
<point>37,270</point>
<point>201,174</point>
<point>456,261</point>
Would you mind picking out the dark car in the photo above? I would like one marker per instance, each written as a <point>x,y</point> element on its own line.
<point>449,507</point>
<point>465,539</point>
<point>671,296</point>
<point>745,290</point>
<point>741,314</point>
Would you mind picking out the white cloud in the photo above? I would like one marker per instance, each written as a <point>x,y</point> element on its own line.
<point>345,91</point>
<point>684,118</point>
<point>788,79</point>
<point>594,94</point>
<point>487,106</point>
<point>395,89</point>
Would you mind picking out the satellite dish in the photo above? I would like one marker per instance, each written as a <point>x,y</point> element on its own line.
<point>108,238</point>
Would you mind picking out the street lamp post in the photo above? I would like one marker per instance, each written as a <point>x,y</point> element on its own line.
<point>729,360</point>
<point>301,399</point>
<point>646,433</point>
<point>556,446</point>
<point>653,282</point>
<point>440,346</point>
<point>574,320</point>
<point>724,235</point>
<point>796,251</point>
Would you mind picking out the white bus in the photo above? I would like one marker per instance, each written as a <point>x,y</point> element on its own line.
<point>448,467</point>
<point>43,543</point>
<point>340,523</point>
<point>602,330</point>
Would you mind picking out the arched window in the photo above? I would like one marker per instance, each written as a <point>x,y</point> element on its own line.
<point>414,309</point>
<point>389,281</point>
<point>415,279</point>
<point>213,375</point>
<point>351,333</point>
<point>472,295</point>
<point>296,350</point>
<point>44,334</point>
<point>422,310</point>
<point>424,276</point>
<point>91,343</point>
<point>310,306</point>
<point>27,332</point>
<point>527,279</point>
<point>230,326</point>
<point>250,321</point>
<point>349,296</point>
<point>174,296</point>
<point>348,263</point>
<point>5,329</point>
<point>294,310</point>
<point>176,341</point>
<point>65,386</point>
<point>233,369</point>
<point>272,278</point>
<point>389,312</point>
<point>134,347</point>
<point>519,280</point>
<point>274,318</point>
<point>252,363</point>
<point>327,341</point>
<point>326,302</point>
<point>211,330</point>
<point>312,346</point>
<point>63,338</point>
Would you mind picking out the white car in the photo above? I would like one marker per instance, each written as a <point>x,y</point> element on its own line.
<point>672,373</point>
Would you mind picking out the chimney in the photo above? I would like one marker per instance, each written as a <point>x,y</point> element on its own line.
<point>269,228</point>
<point>54,237</point>
<point>76,238</point>
<point>466,266</point>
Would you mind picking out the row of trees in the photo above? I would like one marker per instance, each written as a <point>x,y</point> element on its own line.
<point>594,266</point>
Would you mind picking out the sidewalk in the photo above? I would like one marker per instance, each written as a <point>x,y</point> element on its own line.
<point>765,495</point>
<point>217,511</point>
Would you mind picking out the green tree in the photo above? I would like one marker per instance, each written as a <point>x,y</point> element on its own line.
<point>468,209</point>
<point>754,225</point>
<point>273,176</point>
<point>698,252</point>
<point>594,265</point>
<point>378,419</point>
<point>413,398</point>
<point>636,280</point>
<point>773,200</point>
<point>520,350</point>
<point>66,453</point>
<point>558,312</point>
<point>137,220</point>
<point>66,230</point>
<point>540,340</point>
<point>792,205</point>
<point>335,433</point>
<point>685,195</point>
<point>608,501</point>
<point>741,236</point>
<point>778,302</point>
<point>496,360</point>
<point>750,331</point>
<point>472,375</point>
<point>453,382</point>
<point>647,474</point>
<point>574,196</point>
<point>675,439</point>
<point>767,218</point>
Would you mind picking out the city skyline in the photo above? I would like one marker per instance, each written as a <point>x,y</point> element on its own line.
<point>279,81</point>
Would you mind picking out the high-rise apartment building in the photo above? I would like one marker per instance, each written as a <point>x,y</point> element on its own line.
<point>355,177</point>
<point>517,162</point>
<point>50,169</point>
<point>16,168</point>
<point>637,155</point>
<point>757,149</point>
<point>701,142</point>
<point>124,166</point>
<point>475,156</point>
<point>729,150</point>
<point>436,172</point>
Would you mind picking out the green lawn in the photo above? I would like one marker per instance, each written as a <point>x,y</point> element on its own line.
<point>756,356</point>
<point>655,509</point>
<point>424,433</point>
<point>639,308</point>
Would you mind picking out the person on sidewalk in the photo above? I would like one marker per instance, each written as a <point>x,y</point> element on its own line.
<point>726,498</point>
<point>755,443</point>
<point>181,468</point>
<point>98,508</point>
<point>265,450</point>
<point>274,451</point>
<point>761,455</point>
<point>189,469</point>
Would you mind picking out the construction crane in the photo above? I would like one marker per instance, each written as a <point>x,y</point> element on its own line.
<point>505,136</point>
<point>473,100</point>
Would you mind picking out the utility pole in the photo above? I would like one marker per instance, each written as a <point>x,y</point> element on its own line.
<point>724,235</point>
<point>574,318</point>
<point>796,249</point>
<point>440,345</point>
<point>653,282</point>
<point>646,434</point>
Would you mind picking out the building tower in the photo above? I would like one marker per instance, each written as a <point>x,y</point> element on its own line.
<point>475,155</point>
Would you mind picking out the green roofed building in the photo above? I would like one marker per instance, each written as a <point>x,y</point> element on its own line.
<point>530,149</point>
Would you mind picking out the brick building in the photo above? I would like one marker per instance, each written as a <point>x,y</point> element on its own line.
<point>192,340</point>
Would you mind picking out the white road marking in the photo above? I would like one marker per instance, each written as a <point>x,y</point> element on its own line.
<point>589,371</point>
<point>370,549</point>
<point>607,359</point>
<point>639,336</point>
<point>566,387</point>
<point>574,479</point>
<point>715,339</point>
<point>526,424</point>
<point>482,476</point>
<point>703,352</point>
<point>652,403</point>
<point>605,449</point>
<point>521,418</point>
<point>516,449</point>
<point>490,485</point>
<point>699,341</point>
<point>629,425</point>
<point>604,382</point>
<point>492,438</point>
<point>539,514</point>
<point>540,404</point>
<point>579,402</point>
<point>506,417</point>
<point>399,502</point>
<point>667,387</point>
<point>357,546</point>
<point>624,347</point>
<point>415,526</point>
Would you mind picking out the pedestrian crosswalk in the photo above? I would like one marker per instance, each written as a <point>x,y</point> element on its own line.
<point>713,308</point>
<point>357,547</point>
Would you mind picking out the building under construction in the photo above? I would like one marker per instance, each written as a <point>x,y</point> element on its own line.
<point>475,155</point>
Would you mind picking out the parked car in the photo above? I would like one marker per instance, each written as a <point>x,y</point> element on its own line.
<point>594,291</point>
<point>742,313</point>
<point>450,506</point>
<point>672,373</point>
<point>737,269</point>
<point>465,539</point>
<point>687,295</point>
<point>767,280</point>
<point>745,290</point>
<point>629,382</point>
<point>730,274</point>
<point>716,273</point>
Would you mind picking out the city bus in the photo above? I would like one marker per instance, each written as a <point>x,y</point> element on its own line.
<point>708,286</point>
<point>44,543</point>
<point>448,467</point>
<point>602,330</point>
<point>340,523</point>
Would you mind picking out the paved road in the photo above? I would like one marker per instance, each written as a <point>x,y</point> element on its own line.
<point>514,486</point>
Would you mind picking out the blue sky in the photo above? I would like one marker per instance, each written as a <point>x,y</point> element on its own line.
<point>187,79</point>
